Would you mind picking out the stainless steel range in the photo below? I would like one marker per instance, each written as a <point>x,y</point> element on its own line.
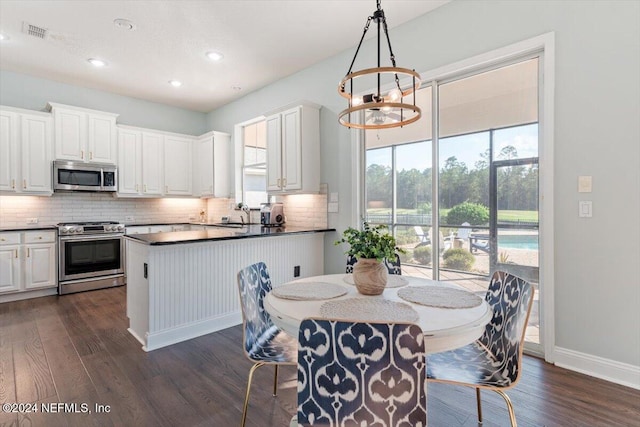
<point>91,256</point>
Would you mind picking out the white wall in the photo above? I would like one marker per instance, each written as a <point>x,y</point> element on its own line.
<point>597,132</point>
<point>33,93</point>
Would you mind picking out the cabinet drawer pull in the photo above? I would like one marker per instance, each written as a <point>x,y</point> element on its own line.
<point>82,154</point>
<point>16,254</point>
<point>1,239</point>
<point>27,252</point>
<point>144,188</point>
<point>24,183</point>
<point>90,155</point>
<point>137,188</point>
<point>13,184</point>
<point>39,237</point>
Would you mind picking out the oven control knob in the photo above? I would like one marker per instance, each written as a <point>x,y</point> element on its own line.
<point>108,228</point>
<point>121,227</point>
<point>63,230</point>
<point>77,230</point>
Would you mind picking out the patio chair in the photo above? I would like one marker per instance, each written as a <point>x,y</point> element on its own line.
<point>424,238</point>
<point>463,233</point>
<point>264,342</point>
<point>479,242</point>
<point>352,373</point>
<point>494,361</point>
<point>393,266</point>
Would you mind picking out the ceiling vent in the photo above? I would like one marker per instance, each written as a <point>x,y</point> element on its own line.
<point>34,30</point>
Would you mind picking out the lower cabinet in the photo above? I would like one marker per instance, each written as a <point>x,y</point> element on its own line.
<point>27,261</point>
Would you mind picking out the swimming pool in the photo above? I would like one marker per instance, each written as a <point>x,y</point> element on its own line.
<point>515,241</point>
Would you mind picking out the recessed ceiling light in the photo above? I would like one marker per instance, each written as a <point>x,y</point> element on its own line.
<point>4,37</point>
<point>97,62</point>
<point>124,24</point>
<point>175,83</point>
<point>214,56</point>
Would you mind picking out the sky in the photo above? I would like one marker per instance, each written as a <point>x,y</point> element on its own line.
<point>466,148</point>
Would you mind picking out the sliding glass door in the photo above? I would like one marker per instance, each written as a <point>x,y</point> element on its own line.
<point>478,212</point>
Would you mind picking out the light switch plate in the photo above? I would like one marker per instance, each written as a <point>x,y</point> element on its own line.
<point>332,207</point>
<point>333,197</point>
<point>585,209</point>
<point>584,184</point>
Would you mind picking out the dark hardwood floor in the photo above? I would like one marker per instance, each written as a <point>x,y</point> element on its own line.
<point>76,349</point>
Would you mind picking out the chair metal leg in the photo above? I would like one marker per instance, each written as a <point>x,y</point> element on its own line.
<point>275,382</point>
<point>246,397</point>
<point>512,414</point>
<point>479,402</point>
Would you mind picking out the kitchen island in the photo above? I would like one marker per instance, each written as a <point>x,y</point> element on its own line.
<point>183,284</point>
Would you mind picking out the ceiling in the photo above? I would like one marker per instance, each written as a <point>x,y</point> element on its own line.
<point>262,41</point>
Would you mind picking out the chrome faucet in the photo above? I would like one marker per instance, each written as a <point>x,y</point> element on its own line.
<point>245,209</point>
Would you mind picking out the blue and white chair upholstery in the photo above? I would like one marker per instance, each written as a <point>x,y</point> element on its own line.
<point>494,361</point>
<point>393,266</point>
<point>264,342</point>
<point>351,261</point>
<point>353,374</point>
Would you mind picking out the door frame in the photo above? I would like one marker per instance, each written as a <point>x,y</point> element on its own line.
<point>544,45</point>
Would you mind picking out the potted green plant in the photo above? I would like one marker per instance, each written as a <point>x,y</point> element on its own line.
<point>370,246</point>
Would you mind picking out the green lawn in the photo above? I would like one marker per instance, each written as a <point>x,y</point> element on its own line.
<point>503,215</point>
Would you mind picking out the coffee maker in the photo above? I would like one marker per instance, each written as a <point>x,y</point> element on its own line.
<point>271,214</point>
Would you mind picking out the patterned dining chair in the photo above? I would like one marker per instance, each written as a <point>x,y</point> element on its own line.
<point>393,266</point>
<point>494,361</point>
<point>264,342</point>
<point>352,373</point>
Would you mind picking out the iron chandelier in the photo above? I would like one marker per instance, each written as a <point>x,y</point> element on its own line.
<point>381,110</point>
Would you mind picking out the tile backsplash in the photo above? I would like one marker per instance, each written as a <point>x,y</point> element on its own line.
<point>308,210</point>
<point>70,207</point>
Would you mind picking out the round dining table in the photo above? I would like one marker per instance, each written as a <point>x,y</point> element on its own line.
<point>444,328</point>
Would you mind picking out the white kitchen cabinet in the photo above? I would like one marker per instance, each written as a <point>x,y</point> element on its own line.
<point>152,160</point>
<point>27,260</point>
<point>10,271</point>
<point>212,172</point>
<point>84,135</point>
<point>129,162</point>
<point>146,229</point>
<point>136,229</point>
<point>25,151</point>
<point>178,166</point>
<point>293,150</point>
<point>140,162</point>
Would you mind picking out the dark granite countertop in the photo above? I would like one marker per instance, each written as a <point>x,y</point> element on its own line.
<point>29,227</point>
<point>220,233</point>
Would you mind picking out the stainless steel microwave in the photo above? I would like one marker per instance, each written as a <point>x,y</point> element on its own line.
<point>78,176</point>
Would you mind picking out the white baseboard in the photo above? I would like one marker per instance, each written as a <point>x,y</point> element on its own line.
<point>599,367</point>
<point>183,333</point>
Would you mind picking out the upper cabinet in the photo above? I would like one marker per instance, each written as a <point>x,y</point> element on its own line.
<point>153,163</point>
<point>293,150</point>
<point>178,166</point>
<point>140,162</point>
<point>25,151</point>
<point>212,172</point>
<point>84,135</point>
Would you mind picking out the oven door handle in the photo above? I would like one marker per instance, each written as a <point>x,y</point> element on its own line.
<point>91,237</point>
